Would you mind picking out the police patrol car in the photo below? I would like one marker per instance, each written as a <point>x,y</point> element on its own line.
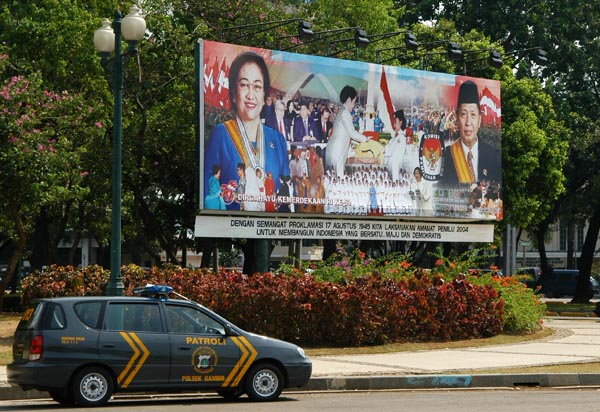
<point>83,349</point>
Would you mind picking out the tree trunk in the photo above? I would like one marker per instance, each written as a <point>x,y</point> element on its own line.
<point>15,258</point>
<point>74,248</point>
<point>249,257</point>
<point>40,250</point>
<point>151,223</point>
<point>571,245</point>
<point>582,295</point>
<point>540,235</point>
<point>206,253</point>
<point>184,255</point>
<point>329,248</point>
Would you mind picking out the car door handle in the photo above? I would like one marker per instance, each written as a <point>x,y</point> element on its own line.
<point>184,348</point>
<point>108,345</point>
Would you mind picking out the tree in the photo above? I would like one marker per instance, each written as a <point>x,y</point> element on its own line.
<point>534,152</point>
<point>40,153</point>
<point>159,154</point>
<point>43,49</point>
<point>566,30</point>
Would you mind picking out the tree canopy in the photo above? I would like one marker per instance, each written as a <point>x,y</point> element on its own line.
<point>60,186</point>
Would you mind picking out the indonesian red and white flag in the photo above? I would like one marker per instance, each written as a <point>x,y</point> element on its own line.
<point>385,107</point>
<point>208,82</point>
<point>223,85</point>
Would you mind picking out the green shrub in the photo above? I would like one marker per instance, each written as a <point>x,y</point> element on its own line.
<point>523,309</point>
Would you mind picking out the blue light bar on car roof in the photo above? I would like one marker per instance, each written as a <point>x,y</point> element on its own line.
<point>154,291</point>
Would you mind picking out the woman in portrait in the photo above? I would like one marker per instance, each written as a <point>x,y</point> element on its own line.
<point>245,139</point>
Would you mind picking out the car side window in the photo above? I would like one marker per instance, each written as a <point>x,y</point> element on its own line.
<point>137,317</point>
<point>55,317</point>
<point>89,313</point>
<point>185,319</point>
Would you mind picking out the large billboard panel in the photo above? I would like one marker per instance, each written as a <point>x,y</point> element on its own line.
<point>287,134</point>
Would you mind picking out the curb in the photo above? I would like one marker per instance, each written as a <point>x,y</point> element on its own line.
<point>411,382</point>
<point>452,381</point>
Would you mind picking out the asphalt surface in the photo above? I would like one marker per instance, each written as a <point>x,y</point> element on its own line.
<point>577,340</point>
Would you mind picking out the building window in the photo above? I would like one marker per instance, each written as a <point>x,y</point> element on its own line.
<point>563,238</point>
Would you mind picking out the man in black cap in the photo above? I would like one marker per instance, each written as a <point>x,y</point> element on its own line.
<point>468,159</point>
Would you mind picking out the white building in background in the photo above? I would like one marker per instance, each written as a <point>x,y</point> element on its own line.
<point>556,247</point>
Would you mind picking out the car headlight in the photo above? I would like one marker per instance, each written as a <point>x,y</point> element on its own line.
<point>301,351</point>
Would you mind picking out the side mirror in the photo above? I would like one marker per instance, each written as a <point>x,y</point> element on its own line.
<point>229,330</point>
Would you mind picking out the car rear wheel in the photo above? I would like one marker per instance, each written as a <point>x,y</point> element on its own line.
<point>264,382</point>
<point>92,387</point>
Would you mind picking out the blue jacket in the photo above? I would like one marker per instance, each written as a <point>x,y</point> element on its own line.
<point>220,149</point>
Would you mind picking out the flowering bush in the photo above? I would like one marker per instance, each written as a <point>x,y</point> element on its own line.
<point>343,266</point>
<point>364,310</point>
<point>58,281</point>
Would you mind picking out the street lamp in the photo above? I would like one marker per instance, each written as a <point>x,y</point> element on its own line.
<point>131,28</point>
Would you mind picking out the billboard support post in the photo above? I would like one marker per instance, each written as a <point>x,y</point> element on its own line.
<point>510,250</point>
<point>261,250</point>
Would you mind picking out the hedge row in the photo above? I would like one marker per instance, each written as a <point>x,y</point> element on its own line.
<point>367,311</point>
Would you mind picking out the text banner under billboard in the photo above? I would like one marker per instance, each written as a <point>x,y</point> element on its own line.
<point>287,133</point>
<point>289,228</point>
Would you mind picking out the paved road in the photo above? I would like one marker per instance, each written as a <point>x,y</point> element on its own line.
<point>507,400</point>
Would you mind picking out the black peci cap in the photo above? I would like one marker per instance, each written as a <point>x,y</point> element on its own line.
<point>468,93</point>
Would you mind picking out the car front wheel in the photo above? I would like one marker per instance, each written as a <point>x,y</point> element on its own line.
<point>264,383</point>
<point>92,387</point>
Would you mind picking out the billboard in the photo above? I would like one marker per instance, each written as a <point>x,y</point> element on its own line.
<point>291,135</point>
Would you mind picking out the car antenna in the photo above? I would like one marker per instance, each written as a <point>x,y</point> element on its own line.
<point>181,296</point>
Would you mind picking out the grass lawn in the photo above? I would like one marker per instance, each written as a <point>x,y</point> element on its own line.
<point>8,324</point>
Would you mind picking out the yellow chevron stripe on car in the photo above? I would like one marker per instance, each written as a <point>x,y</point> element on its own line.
<point>238,364</point>
<point>125,377</point>
<point>242,365</point>
<point>253,355</point>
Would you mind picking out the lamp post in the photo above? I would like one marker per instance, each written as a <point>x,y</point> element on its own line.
<point>132,28</point>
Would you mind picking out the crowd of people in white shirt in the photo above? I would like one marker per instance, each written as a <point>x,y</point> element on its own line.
<point>369,190</point>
